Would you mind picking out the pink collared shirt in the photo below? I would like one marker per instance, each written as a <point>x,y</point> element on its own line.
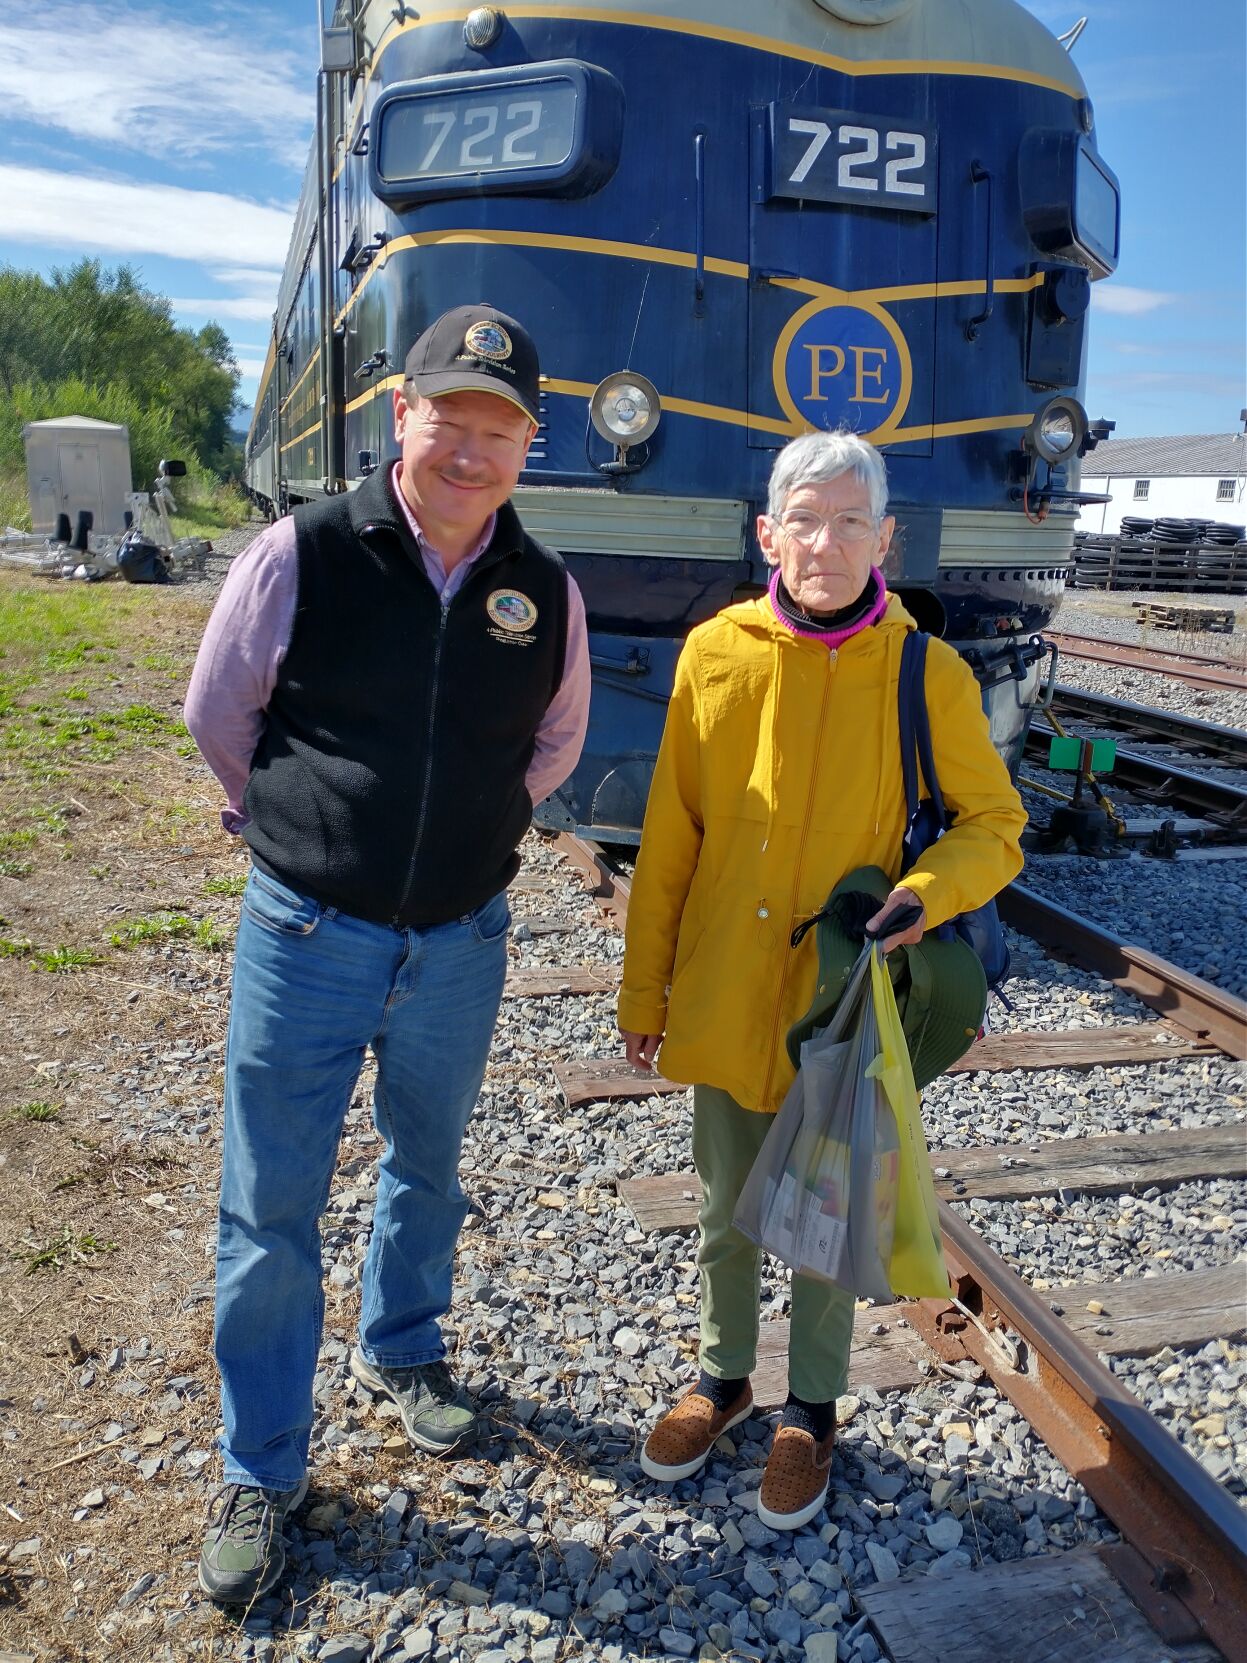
<point>249,633</point>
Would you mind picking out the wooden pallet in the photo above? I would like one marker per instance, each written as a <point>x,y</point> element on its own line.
<point>1156,615</point>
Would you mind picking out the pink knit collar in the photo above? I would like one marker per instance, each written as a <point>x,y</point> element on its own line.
<point>835,637</point>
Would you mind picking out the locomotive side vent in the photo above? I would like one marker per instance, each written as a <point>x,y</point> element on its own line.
<point>540,451</point>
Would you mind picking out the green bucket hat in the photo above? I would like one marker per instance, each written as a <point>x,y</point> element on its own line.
<point>941,990</point>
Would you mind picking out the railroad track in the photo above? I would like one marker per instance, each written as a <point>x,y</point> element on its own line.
<point>1181,733</point>
<point>1164,783</point>
<point>1197,669</point>
<point>1183,1558</point>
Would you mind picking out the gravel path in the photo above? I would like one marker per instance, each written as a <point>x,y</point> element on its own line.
<point>1199,1392</point>
<point>572,1329</point>
<point>1112,617</point>
<point>1189,912</point>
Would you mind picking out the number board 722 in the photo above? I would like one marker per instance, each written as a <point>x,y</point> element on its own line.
<point>845,156</point>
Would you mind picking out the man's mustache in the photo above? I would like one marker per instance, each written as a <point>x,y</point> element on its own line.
<point>457,476</point>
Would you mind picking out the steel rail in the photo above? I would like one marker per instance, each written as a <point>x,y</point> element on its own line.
<point>1195,1006</point>
<point>1193,668</point>
<point>1186,1566</point>
<point>1189,1532</point>
<point>610,889</point>
<point>1142,720</point>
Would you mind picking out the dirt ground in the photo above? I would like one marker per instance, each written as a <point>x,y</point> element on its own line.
<point>117,907</point>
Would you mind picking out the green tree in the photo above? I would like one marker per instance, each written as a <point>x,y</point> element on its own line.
<point>87,336</point>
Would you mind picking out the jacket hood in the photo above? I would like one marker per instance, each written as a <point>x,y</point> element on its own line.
<point>757,618</point>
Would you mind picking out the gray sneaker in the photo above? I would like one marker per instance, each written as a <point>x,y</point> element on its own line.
<point>243,1553</point>
<point>436,1413</point>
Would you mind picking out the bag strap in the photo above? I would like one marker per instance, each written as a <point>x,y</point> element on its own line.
<point>913,659</point>
<point>915,722</point>
<point>926,752</point>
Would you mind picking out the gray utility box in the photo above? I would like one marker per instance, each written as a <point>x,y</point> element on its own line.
<point>73,463</point>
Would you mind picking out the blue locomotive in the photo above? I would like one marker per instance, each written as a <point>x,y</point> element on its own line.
<point>724,223</point>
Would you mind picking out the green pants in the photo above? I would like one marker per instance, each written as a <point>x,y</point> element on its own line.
<point>726,1141</point>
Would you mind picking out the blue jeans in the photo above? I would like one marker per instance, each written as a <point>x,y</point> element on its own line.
<point>313,988</point>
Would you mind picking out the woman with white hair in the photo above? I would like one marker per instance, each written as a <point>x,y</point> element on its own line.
<point>779,774</point>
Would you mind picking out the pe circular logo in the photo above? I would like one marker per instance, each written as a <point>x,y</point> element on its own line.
<point>511,611</point>
<point>843,365</point>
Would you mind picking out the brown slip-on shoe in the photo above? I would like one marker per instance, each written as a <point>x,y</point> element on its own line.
<point>794,1485</point>
<point>679,1444</point>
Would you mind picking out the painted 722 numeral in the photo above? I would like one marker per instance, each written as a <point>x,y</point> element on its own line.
<point>842,156</point>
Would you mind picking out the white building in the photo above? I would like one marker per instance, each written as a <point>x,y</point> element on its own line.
<point>1192,476</point>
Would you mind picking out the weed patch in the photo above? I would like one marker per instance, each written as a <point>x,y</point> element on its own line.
<point>39,1112</point>
<point>67,1248</point>
<point>61,959</point>
<point>156,926</point>
<point>233,885</point>
<point>168,926</point>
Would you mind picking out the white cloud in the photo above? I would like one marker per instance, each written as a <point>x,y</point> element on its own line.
<point>118,216</point>
<point>1128,302</point>
<point>257,307</point>
<point>251,369</point>
<point>162,82</point>
<point>250,277</point>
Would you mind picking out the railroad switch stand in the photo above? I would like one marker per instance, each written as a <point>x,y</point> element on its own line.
<point>1085,824</point>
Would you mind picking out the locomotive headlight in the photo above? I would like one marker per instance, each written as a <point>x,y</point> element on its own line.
<point>1057,431</point>
<point>626,408</point>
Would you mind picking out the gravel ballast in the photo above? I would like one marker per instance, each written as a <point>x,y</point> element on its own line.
<point>573,1330</point>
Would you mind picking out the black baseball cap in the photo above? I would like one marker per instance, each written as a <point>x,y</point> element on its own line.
<point>477,349</point>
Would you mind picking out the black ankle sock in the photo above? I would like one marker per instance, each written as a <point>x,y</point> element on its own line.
<point>815,1418</point>
<point>722,1393</point>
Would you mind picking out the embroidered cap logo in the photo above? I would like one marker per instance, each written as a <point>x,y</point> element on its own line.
<point>489,341</point>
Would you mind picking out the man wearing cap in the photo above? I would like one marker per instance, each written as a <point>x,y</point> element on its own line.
<point>390,680</point>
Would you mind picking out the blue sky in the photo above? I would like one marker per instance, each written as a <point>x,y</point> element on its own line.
<point>173,137</point>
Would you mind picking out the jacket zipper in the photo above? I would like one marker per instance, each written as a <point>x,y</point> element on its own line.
<point>423,811</point>
<point>805,828</point>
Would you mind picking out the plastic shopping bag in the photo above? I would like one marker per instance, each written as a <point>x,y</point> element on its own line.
<point>829,1192</point>
<point>822,1192</point>
<point>916,1266</point>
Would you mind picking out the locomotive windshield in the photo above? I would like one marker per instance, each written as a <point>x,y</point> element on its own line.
<point>1095,209</point>
<point>550,129</point>
<point>439,135</point>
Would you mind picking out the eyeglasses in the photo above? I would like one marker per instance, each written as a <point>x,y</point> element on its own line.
<point>847,527</point>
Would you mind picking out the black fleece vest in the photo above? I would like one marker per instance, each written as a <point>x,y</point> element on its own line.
<point>389,780</point>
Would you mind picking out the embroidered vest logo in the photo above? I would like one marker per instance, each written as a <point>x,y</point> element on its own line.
<point>513,615</point>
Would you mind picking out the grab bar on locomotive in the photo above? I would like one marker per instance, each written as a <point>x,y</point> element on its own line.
<point>980,175</point>
<point>635,664</point>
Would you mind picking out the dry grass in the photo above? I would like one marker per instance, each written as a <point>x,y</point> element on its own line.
<point>106,821</point>
<point>115,880</point>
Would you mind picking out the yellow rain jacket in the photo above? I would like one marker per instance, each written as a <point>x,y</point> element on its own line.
<point>780,772</point>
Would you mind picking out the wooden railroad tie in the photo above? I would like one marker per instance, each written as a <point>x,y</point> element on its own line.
<point>1010,1171</point>
<point>1063,1608</point>
<point>602,1078</point>
<point>1132,1319</point>
<point>542,983</point>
